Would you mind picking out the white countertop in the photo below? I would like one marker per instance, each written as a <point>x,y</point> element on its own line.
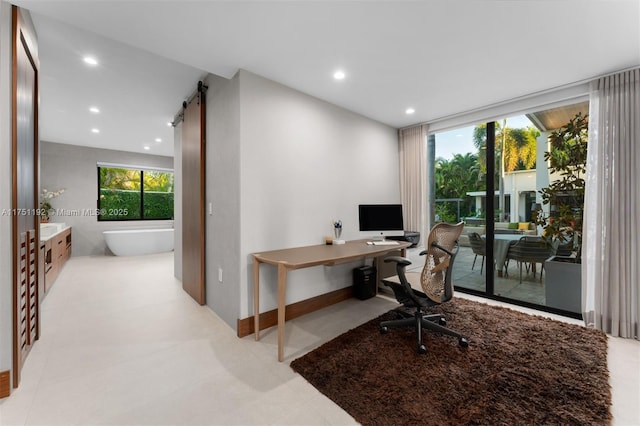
<point>50,230</point>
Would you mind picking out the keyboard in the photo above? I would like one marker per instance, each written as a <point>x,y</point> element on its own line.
<point>383,243</point>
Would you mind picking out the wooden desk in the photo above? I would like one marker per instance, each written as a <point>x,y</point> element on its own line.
<point>305,257</point>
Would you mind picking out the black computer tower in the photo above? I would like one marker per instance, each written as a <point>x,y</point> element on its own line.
<point>364,282</point>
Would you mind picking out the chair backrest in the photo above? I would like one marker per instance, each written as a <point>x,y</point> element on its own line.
<point>530,249</point>
<point>477,244</point>
<point>441,250</point>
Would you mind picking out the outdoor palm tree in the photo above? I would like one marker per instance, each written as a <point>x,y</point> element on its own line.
<point>515,150</point>
<point>454,178</point>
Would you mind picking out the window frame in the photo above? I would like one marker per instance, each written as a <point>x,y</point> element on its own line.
<point>142,170</point>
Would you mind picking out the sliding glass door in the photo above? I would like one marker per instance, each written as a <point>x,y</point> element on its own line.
<point>491,176</point>
<point>519,251</point>
<point>460,188</point>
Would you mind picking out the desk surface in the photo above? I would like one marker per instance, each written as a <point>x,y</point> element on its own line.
<point>323,254</point>
<point>304,257</point>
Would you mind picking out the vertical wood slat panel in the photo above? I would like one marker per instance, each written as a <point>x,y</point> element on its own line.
<point>27,294</point>
<point>25,188</point>
<point>193,198</point>
<point>32,284</point>
<point>23,314</point>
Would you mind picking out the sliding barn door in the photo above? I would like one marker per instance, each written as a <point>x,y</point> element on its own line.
<point>25,238</point>
<point>193,196</point>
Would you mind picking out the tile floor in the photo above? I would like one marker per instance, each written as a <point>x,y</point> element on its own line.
<point>122,344</point>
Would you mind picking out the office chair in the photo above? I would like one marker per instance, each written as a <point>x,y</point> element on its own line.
<point>435,280</point>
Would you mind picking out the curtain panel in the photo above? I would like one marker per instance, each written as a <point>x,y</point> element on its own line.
<point>610,272</point>
<point>412,144</point>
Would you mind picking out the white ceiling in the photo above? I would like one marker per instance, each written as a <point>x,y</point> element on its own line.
<point>439,57</point>
<point>137,92</point>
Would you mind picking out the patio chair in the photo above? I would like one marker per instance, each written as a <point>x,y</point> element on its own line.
<point>479,248</point>
<point>529,251</point>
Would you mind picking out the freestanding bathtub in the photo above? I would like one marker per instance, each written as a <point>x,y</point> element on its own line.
<point>129,242</point>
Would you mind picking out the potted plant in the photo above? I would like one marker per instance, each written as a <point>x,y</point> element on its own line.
<point>562,225</point>
<point>45,205</point>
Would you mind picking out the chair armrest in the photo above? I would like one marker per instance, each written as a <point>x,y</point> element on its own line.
<point>401,265</point>
<point>398,259</point>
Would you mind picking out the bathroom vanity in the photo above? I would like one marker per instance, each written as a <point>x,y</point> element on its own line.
<point>55,249</point>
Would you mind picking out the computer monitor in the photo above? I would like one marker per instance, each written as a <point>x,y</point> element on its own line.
<point>380,220</point>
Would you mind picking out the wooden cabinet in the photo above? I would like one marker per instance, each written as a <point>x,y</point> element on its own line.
<point>57,251</point>
<point>41,269</point>
<point>49,273</point>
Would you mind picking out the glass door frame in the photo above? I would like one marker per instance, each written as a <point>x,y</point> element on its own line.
<point>489,207</point>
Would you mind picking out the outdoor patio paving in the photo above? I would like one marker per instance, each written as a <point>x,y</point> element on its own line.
<point>530,290</point>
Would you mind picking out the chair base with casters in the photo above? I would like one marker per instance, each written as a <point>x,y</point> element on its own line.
<point>420,320</point>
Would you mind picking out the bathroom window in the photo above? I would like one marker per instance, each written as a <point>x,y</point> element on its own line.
<point>134,193</point>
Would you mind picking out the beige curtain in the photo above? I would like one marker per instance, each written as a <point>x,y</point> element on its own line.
<point>610,261</point>
<point>412,143</point>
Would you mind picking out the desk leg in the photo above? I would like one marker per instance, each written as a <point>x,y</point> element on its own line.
<point>256,298</point>
<point>376,264</point>
<point>282,291</point>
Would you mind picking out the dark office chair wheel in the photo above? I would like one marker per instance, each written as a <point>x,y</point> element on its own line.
<point>422,349</point>
<point>384,330</point>
<point>463,342</point>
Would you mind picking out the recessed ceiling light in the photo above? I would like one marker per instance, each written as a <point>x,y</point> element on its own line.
<point>95,130</point>
<point>169,123</point>
<point>158,140</point>
<point>339,75</point>
<point>410,111</point>
<point>147,148</point>
<point>90,60</point>
<point>94,110</point>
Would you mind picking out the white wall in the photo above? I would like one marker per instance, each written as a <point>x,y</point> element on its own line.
<point>542,166</point>
<point>305,162</point>
<point>6,305</point>
<point>223,192</point>
<point>75,169</point>
<point>177,201</point>
<point>280,166</point>
<point>516,183</point>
